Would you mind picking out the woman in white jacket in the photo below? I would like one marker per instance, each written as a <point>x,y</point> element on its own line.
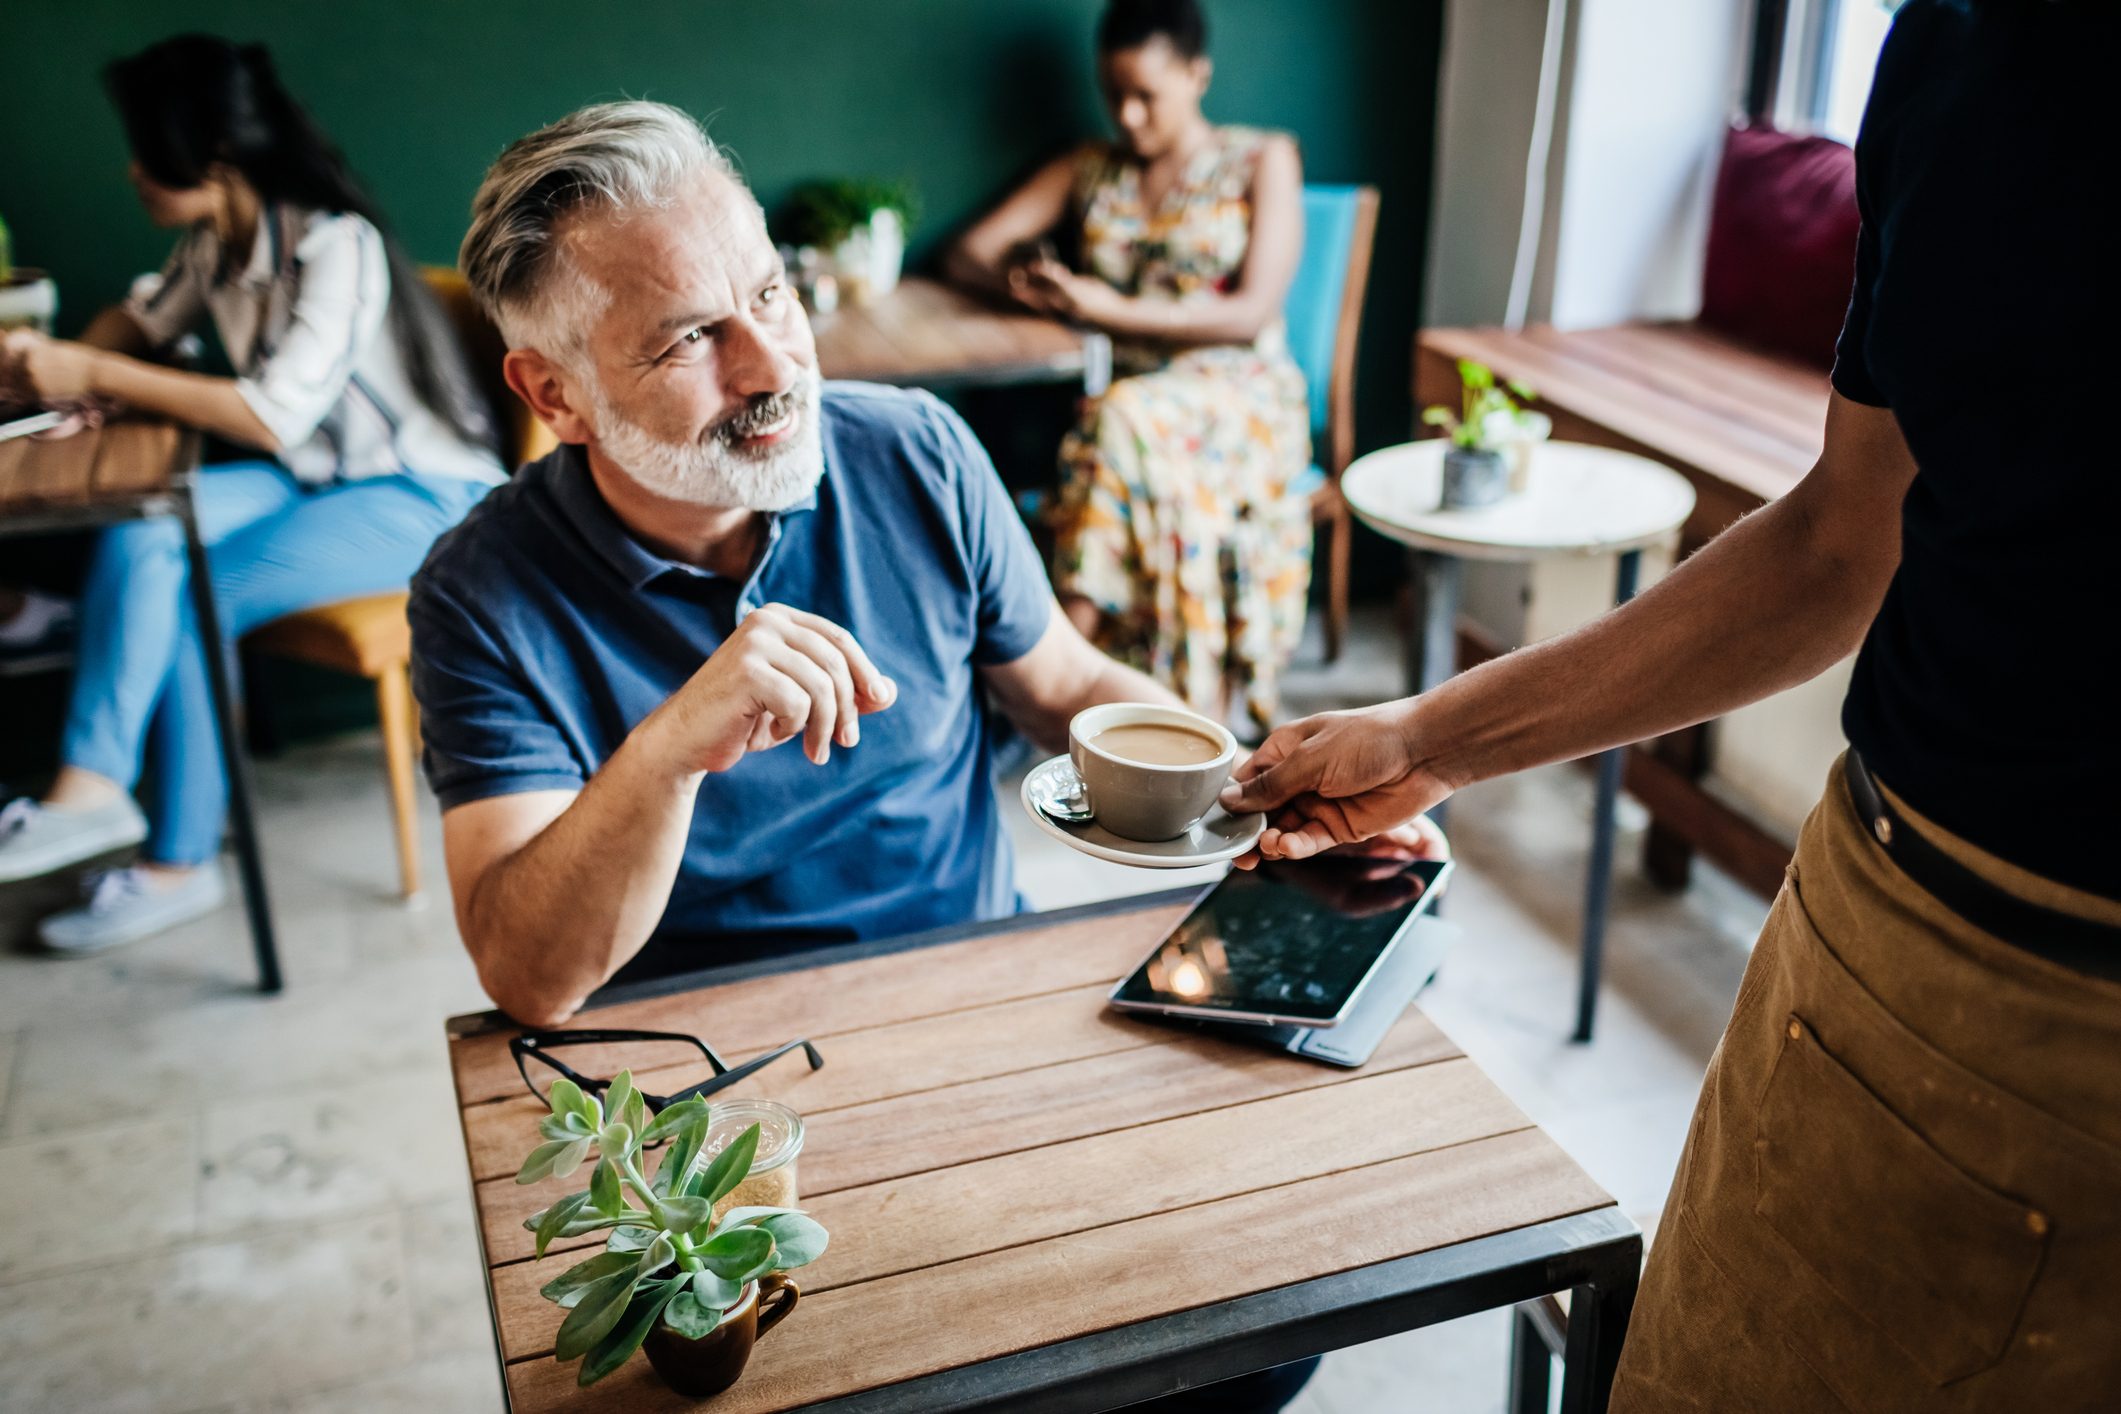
<point>365,436</point>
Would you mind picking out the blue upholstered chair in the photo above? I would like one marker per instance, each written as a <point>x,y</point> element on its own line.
<point>1324,313</point>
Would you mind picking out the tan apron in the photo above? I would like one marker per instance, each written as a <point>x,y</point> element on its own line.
<point>1902,1188</point>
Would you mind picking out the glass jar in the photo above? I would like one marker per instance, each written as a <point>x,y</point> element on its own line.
<point>772,1180</point>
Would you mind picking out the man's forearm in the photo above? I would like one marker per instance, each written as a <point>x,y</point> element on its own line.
<point>552,922</point>
<point>1765,606</point>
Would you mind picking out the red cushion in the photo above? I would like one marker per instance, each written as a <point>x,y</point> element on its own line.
<point>1782,243</point>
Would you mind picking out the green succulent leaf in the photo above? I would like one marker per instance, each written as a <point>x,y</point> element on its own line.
<point>728,1169</point>
<point>682,1214</point>
<point>545,1160</point>
<point>572,1156</point>
<point>737,1255</point>
<point>631,1239</point>
<point>568,1098</point>
<point>691,1317</point>
<point>618,1097</point>
<point>615,1139</point>
<point>636,1116</point>
<point>590,1220</point>
<point>661,1253</point>
<point>626,1336</point>
<point>1438,417</point>
<point>740,1217</point>
<point>678,1159</point>
<point>601,1305</point>
<point>675,1117</point>
<point>552,1222</point>
<point>567,1288</point>
<point>717,1292</point>
<point>566,1127</point>
<point>797,1241</point>
<point>605,1193</point>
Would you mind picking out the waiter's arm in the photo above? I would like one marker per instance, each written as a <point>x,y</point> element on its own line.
<point>1778,598</point>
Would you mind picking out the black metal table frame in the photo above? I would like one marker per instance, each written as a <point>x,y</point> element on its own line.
<point>179,501</point>
<point>1596,1256</point>
<point>1433,658</point>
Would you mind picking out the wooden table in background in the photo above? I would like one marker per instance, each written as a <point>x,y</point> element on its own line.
<point>1037,1204</point>
<point>928,334</point>
<point>128,471</point>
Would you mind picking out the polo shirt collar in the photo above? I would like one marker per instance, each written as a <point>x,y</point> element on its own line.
<point>576,492</point>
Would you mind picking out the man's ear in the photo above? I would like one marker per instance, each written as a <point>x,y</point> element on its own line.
<point>551,394</point>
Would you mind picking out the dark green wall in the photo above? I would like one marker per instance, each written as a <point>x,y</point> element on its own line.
<point>960,96</point>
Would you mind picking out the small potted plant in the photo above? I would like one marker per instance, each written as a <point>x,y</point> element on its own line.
<point>860,227</point>
<point>27,297</point>
<point>698,1290</point>
<point>1490,430</point>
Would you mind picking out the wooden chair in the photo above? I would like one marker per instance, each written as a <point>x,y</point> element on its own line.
<point>1324,313</point>
<point>369,637</point>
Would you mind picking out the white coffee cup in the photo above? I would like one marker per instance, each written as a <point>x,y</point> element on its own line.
<point>1141,799</point>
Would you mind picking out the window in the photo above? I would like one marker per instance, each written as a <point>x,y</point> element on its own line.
<point>1854,30</point>
<point>1812,62</point>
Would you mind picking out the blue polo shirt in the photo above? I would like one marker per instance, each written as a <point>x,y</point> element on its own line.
<point>543,631</point>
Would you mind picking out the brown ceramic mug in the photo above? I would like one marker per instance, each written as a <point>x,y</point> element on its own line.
<point>716,1360</point>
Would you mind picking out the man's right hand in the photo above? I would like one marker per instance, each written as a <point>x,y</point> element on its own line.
<point>783,673</point>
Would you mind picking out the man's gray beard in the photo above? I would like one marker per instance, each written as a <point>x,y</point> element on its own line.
<point>711,472</point>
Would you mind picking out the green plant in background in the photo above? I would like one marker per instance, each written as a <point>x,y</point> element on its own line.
<point>1488,416</point>
<point>824,213</point>
<point>666,1257</point>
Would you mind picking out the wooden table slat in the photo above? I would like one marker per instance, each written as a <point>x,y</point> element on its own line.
<point>57,472</point>
<point>899,1328</point>
<point>136,458</point>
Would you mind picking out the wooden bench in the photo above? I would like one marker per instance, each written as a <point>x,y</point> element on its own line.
<point>1742,426</point>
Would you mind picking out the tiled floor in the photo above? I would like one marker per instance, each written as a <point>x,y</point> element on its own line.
<point>216,1202</point>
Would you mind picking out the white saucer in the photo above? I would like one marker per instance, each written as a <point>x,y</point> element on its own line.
<point>1219,837</point>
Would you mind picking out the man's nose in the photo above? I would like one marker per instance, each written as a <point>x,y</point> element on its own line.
<point>754,362</point>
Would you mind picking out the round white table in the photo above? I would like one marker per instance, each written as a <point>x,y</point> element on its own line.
<point>1578,500</point>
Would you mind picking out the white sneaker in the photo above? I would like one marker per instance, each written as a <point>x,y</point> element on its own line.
<point>37,839</point>
<point>126,905</point>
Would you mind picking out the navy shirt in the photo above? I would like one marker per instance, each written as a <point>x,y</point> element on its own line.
<point>1986,297</point>
<point>543,632</point>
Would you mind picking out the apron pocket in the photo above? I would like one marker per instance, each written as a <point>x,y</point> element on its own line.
<point>1937,1261</point>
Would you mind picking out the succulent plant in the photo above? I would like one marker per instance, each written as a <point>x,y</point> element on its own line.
<point>667,1257</point>
<point>1488,417</point>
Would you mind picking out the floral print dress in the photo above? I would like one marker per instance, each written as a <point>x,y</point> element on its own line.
<point>1181,516</point>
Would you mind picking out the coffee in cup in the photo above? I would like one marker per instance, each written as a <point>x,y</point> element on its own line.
<point>1150,772</point>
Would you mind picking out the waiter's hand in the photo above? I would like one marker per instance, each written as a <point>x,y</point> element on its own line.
<point>1335,779</point>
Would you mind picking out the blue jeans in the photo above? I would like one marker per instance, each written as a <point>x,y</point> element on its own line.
<point>274,546</point>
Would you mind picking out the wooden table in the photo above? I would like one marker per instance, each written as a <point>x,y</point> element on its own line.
<point>125,471</point>
<point>1578,500</point>
<point>1038,1204</point>
<point>929,334</point>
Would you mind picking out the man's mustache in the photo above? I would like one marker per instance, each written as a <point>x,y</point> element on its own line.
<point>762,412</point>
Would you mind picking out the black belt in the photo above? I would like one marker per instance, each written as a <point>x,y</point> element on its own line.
<point>2078,943</point>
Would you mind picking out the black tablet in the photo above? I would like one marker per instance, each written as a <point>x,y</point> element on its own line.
<point>1293,942</point>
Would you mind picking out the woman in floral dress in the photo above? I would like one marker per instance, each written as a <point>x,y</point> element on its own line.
<point>1183,538</point>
